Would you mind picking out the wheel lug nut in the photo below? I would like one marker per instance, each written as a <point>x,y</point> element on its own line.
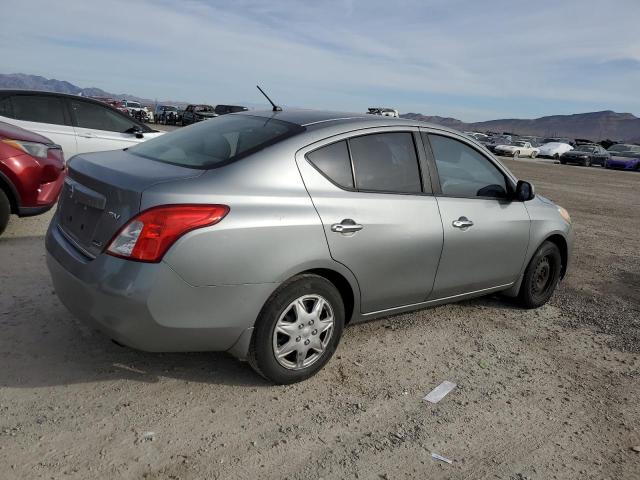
<point>306,342</point>
<point>298,339</point>
<point>311,322</point>
<point>301,326</point>
<point>315,332</point>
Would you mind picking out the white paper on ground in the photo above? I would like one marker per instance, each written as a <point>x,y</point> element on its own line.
<point>436,456</point>
<point>438,393</point>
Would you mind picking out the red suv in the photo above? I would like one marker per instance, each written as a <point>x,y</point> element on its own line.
<point>32,170</point>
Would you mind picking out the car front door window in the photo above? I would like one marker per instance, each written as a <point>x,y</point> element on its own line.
<point>465,172</point>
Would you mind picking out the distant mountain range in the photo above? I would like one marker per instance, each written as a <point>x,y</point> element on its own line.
<point>595,125</point>
<point>23,81</point>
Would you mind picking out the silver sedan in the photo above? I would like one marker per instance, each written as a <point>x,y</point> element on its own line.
<point>263,233</point>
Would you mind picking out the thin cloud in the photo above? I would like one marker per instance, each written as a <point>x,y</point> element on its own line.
<point>453,57</point>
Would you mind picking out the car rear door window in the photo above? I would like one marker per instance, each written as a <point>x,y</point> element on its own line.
<point>386,162</point>
<point>333,161</point>
<point>465,172</point>
<point>38,108</point>
<point>97,117</point>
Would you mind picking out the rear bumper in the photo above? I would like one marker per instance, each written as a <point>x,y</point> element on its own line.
<point>148,306</point>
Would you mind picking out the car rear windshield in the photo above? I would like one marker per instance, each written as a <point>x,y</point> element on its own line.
<point>217,141</point>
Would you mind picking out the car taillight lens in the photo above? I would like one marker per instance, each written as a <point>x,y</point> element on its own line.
<point>147,236</point>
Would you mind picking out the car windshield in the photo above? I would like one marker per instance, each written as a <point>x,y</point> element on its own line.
<point>552,145</point>
<point>168,108</point>
<point>584,148</point>
<point>133,104</point>
<point>620,147</point>
<point>216,142</point>
<point>519,143</point>
<point>203,108</point>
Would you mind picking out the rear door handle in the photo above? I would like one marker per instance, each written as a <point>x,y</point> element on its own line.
<point>462,222</point>
<point>346,226</point>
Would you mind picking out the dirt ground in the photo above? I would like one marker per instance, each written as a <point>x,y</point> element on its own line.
<point>544,394</point>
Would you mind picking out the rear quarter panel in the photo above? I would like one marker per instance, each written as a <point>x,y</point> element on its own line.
<point>271,232</point>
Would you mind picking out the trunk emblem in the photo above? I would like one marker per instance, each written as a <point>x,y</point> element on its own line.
<point>114,215</point>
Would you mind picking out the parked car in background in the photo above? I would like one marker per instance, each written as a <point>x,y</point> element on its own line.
<point>623,147</point>
<point>134,109</point>
<point>566,140</point>
<point>32,170</point>
<point>77,124</point>
<point>554,150</point>
<point>197,113</point>
<point>586,155</point>
<point>494,140</point>
<point>166,115</point>
<point>225,109</point>
<point>628,159</point>
<point>383,111</point>
<point>517,149</point>
<point>190,243</point>
<point>481,137</point>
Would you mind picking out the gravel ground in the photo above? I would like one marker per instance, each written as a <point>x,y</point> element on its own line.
<point>544,394</point>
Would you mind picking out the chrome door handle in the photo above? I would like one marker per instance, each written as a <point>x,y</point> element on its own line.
<point>462,222</point>
<point>346,226</point>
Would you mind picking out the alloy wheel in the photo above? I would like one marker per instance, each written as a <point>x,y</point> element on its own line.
<point>303,332</point>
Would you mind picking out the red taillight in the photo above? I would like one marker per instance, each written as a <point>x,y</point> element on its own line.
<point>147,236</point>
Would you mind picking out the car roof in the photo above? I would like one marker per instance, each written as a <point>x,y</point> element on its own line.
<point>4,91</point>
<point>313,119</point>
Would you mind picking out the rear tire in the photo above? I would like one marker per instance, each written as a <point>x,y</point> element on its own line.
<point>283,326</point>
<point>5,211</point>
<point>541,276</point>
<point>587,162</point>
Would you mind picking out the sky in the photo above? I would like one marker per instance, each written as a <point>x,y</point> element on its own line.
<point>468,59</point>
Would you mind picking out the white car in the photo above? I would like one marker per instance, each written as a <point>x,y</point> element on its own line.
<point>517,149</point>
<point>77,124</point>
<point>554,149</point>
<point>385,112</point>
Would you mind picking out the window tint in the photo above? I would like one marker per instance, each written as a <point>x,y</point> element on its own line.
<point>38,108</point>
<point>217,141</point>
<point>5,107</point>
<point>333,161</point>
<point>89,115</point>
<point>386,162</point>
<point>465,172</point>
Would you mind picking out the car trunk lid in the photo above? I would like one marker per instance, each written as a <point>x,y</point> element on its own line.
<point>102,192</point>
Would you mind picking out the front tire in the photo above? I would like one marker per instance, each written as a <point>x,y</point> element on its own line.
<point>5,211</point>
<point>587,162</point>
<point>298,330</point>
<point>541,276</point>
<point>534,154</point>
<point>516,154</point>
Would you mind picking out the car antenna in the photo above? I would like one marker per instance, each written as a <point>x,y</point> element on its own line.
<point>276,108</point>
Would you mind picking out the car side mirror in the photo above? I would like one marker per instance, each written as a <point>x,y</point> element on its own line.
<point>524,191</point>
<point>137,131</point>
